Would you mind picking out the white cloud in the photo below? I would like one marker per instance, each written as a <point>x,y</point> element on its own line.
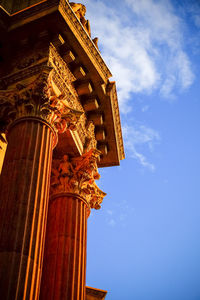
<point>112,222</point>
<point>143,46</point>
<point>122,217</point>
<point>120,214</point>
<point>142,41</point>
<point>197,20</point>
<point>193,8</point>
<point>137,136</point>
<point>145,108</point>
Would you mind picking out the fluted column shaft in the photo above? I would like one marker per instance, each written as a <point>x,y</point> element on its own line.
<point>24,192</point>
<point>64,268</point>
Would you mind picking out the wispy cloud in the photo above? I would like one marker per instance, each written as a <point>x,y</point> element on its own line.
<point>137,136</point>
<point>193,8</point>
<point>112,222</point>
<point>119,215</point>
<point>145,108</point>
<point>143,43</point>
<point>144,47</point>
<point>190,11</point>
<point>111,218</point>
<point>109,212</point>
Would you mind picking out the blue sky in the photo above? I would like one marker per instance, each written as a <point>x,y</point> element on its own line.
<point>144,243</point>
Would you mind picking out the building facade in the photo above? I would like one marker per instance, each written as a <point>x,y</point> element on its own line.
<point>59,117</point>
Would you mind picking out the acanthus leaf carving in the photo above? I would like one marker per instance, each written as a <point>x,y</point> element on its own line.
<point>48,93</point>
<point>78,175</point>
<point>37,99</point>
<point>66,117</point>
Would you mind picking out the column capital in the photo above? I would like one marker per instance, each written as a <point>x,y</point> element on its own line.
<point>35,97</point>
<point>77,176</point>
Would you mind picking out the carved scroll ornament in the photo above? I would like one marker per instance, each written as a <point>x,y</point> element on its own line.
<point>78,175</point>
<point>37,99</point>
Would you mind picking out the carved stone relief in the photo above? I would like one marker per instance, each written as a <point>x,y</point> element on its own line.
<point>63,79</point>
<point>78,175</point>
<point>46,92</point>
<point>36,99</point>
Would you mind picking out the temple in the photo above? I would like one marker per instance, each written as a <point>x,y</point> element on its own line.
<point>59,123</point>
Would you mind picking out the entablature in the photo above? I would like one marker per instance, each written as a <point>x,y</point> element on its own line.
<point>80,75</point>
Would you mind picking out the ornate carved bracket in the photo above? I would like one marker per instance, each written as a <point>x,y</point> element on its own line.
<point>36,98</point>
<point>62,80</point>
<point>78,175</point>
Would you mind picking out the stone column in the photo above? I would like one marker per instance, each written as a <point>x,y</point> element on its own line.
<point>30,114</point>
<point>65,249</point>
<point>24,191</point>
<point>73,193</point>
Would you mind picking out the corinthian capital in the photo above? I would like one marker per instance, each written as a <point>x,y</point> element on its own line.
<point>35,98</point>
<point>77,176</point>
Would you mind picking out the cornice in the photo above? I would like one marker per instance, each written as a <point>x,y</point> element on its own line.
<point>84,39</point>
<point>95,292</point>
<point>64,8</point>
<point>115,106</point>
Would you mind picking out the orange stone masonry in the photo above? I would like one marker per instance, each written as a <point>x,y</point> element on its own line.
<point>64,268</point>
<point>73,192</point>
<point>24,192</point>
<point>59,117</point>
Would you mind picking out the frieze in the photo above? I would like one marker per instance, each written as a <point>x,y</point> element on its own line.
<point>62,80</point>
<point>50,95</point>
<point>28,60</point>
<point>62,69</point>
<point>13,78</point>
<point>77,175</point>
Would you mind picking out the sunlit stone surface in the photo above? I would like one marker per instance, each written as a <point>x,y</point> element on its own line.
<point>59,114</point>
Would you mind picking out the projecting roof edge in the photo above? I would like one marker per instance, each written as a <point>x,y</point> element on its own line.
<point>84,39</point>
<point>97,293</point>
<point>112,91</point>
